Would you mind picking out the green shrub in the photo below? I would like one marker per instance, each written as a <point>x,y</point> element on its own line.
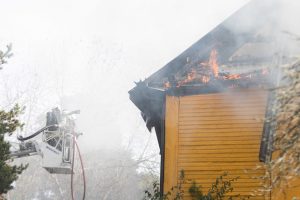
<point>218,191</point>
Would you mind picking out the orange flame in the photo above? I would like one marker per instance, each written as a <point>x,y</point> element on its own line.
<point>205,79</point>
<point>233,76</point>
<point>210,68</point>
<point>190,77</point>
<point>167,84</point>
<point>214,63</point>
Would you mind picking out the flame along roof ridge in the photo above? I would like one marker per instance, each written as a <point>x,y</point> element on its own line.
<point>236,31</point>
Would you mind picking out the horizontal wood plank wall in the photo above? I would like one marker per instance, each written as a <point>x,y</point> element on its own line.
<point>220,133</point>
<point>171,143</point>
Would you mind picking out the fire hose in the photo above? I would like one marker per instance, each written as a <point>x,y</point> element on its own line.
<point>36,133</point>
<point>82,169</point>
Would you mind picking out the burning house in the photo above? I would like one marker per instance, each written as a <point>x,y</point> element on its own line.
<point>208,104</point>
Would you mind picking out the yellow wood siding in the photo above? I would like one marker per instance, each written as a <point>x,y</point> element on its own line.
<point>209,134</point>
<point>171,125</point>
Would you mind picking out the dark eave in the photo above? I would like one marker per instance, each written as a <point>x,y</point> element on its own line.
<point>150,102</point>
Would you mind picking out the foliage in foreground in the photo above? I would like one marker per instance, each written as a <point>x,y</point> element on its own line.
<point>285,163</point>
<point>5,55</point>
<point>8,124</point>
<point>218,191</point>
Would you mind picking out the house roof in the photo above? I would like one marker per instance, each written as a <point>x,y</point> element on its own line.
<point>247,30</point>
<point>245,35</point>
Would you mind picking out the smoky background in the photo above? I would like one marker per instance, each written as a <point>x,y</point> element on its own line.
<point>86,55</point>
